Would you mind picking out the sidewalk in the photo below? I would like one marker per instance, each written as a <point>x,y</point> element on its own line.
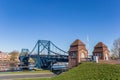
<point>25,75</point>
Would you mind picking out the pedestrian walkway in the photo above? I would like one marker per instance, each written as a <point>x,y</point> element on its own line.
<point>26,75</point>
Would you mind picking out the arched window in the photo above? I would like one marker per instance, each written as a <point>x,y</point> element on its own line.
<point>106,56</point>
<point>82,55</point>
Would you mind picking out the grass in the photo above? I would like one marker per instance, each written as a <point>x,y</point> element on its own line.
<point>89,71</point>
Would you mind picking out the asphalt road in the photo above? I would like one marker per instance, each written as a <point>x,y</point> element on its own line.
<point>16,76</point>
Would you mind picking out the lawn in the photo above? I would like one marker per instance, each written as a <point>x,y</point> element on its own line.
<point>89,71</point>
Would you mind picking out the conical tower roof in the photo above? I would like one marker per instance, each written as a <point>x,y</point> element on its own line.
<point>77,45</point>
<point>101,44</point>
<point>77,42</point>
<point>100,47</point>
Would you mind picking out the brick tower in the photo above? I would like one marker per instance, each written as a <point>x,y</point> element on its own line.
<point>101,51</point>
<point>77,52</point>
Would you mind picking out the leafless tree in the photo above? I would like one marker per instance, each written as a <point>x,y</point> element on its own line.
<point>14,56</point>
<point>116,48</point>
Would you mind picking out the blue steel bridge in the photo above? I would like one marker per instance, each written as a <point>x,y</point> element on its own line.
<point>44,53</point>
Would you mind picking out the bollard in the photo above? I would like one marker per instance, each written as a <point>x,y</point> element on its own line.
<point>95,58</point>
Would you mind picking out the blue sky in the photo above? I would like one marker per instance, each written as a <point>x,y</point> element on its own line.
<point>23,22</point>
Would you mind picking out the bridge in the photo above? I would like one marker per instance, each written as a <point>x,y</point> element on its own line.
<point>44,53</point>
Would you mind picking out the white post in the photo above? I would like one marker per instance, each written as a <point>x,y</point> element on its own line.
<point>95,58</point>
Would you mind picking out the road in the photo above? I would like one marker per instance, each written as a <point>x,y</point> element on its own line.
<point>34,75</point>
